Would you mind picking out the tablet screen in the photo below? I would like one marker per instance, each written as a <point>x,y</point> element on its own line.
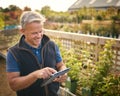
<point>55,75</point>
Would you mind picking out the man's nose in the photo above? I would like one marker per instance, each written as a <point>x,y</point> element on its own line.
<point>39,34</point>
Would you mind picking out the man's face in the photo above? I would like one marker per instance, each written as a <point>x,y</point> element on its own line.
<point>33,33</point>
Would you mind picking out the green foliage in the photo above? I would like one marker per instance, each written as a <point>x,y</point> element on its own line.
<point>2,23</point>
<point>114,29</point>
<point>102,31</point>
<point>110,86</point>
<point>87,71</point>
<point>116,17</point>
<point>98,17</point>
<point>46,11</point>
<point>71,61</point>
<point>85,28</point>
<point>70,58</point>
<point>92,75</point>
<point>104,66</point>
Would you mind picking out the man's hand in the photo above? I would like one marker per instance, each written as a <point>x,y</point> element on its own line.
<point>44,73</point>
<point>61,78</point>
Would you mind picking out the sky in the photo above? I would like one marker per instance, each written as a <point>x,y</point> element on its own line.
<point>56,5</point>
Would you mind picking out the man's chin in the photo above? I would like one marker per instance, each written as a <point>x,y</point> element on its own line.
<point>37,44</point>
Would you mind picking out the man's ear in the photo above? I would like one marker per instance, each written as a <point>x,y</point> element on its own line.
<point>22,31</point>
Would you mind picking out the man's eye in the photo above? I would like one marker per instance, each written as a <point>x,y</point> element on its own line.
<point>40,31</point>
<point>34,33</point>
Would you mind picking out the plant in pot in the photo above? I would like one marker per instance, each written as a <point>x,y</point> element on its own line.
<point>73,63</point>
<point>70,58</point>
<point>86,79</point>
<point>86,74</point>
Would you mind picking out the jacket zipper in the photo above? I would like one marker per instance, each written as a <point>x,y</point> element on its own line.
<point>42,66</point>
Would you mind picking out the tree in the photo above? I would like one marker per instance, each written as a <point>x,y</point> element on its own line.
<point>27,9</point>
<point>13,7</point>
<point>46,11</point>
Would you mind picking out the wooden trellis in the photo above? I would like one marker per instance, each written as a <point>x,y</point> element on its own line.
<point>81,41</point>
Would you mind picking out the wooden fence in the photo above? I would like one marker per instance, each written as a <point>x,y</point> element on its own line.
<point>68,40</point>
<point>81,41</point>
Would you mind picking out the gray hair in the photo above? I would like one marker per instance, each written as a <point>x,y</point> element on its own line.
<point>31,16</point>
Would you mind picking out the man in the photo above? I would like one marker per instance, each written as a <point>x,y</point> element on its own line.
<point>34,59</point>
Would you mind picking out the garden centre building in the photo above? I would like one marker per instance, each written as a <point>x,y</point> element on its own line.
<point>97,4</point>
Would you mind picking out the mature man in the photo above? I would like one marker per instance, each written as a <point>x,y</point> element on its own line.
<point>33,59</point>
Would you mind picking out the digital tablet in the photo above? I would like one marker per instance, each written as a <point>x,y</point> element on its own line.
<point>53,76</point>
